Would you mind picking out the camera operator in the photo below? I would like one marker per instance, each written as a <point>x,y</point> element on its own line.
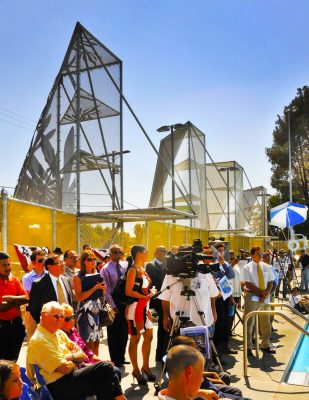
<point>205,292</point>
<point>222,326</point>
<point>281,266</point>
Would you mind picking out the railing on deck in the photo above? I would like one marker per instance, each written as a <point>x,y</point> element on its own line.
<point>267,312</point>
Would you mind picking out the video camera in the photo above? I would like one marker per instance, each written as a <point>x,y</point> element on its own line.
<point>186,263</point>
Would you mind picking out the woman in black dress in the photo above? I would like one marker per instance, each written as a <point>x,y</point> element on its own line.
<point>89,291</point>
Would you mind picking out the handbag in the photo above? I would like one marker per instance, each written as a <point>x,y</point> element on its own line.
<point>106,315</point>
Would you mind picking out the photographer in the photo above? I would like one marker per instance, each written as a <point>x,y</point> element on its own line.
<point>281,265</point>
<point>204,288</point>
<point>222,327</point>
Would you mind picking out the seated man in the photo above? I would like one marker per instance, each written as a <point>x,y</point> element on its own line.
<point>300,303</point>
<point>211,380</point>
<point>185,366</point>
<point>57,357</point>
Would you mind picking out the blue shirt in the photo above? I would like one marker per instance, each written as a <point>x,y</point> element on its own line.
<point>30,277</point>
<point>225,270</point>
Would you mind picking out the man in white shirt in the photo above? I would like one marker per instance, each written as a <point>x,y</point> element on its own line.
<point>174,299</point>
<point>258,278</point>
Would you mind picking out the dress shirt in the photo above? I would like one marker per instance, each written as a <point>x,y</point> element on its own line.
<point>249,273</point>
<point>281,268</point>
<point>10,287</point>
<point>110,277</point>
<point>204,288</point>
<point>54,280</point>
<point>30,277</point>
<point>236,282</point>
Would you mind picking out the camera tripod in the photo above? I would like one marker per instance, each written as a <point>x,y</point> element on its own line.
<point>186,294</point>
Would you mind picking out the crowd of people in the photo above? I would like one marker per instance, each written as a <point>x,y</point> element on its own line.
<point>65,293</point>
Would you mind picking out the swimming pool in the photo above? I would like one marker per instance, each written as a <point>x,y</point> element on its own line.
<point>299,371</point>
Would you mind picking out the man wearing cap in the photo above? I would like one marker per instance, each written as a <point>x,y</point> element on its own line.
<point>258,278</point>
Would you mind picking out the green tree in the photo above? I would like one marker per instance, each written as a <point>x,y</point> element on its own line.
<point>278,156</point>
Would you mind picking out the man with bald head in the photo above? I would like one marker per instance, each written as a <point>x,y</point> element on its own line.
<point>185,367</point>
<point>157,274</point>
<point>117,333</point>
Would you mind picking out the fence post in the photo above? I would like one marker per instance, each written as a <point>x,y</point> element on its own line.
<point>54,228</point>
<point>78,233</point>
<point>147,233</point>
<point>4,195</point>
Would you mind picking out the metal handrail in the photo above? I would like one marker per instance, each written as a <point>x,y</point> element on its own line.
<point>299,314</point>
<point>269,312</point>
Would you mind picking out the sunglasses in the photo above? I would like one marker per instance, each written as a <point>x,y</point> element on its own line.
<point>58,316</point>
<point>90,259</point>
<point>40,260</point>
<point>117,252</point>
<point>67,319</point>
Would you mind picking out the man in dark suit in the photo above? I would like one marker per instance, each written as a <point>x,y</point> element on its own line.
<point>157,274</point>
<point>51,287</point>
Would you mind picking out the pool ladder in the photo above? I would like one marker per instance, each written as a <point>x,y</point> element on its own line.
<point>267,312</point>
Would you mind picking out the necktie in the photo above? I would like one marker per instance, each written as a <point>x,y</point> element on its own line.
<point>119,273</point>
<point>260,277</point>
<point>61,296</point>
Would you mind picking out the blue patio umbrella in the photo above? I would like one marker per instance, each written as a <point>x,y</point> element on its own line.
<point>288,215</point>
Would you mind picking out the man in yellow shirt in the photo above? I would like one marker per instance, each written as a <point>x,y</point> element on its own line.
<point>58,358</point>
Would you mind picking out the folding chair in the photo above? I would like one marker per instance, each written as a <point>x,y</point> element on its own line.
<point>28,392</point>
<point>43,392</point>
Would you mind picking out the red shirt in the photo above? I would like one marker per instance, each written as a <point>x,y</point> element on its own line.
<point>11,287</point>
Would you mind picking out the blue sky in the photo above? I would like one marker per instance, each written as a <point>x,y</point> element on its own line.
<point>227,66</point>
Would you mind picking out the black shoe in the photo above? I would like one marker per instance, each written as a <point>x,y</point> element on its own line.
<point>249,353</point>
<point>274,330</point>
<point>268,350</point>
<point>125,362</point>
<point>229,351</point>
<point>118,365</point>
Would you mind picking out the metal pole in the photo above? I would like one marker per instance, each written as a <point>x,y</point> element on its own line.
<point>78,56</point>
<point>54,228</point>
<point>290,156</point>
<point>228,199</point>
<point>121,138</point>
<point>257,336</point>
<point>290,169</point>
<point>147,233</point>
<point>4,195</point>
<point>58,178</point>
<point>173,167</point>
<point>190,169</point>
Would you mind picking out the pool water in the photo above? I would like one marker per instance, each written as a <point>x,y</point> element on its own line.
<point>299,371</point>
